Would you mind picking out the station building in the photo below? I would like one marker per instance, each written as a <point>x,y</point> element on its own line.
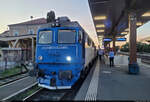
<point>21,38</point>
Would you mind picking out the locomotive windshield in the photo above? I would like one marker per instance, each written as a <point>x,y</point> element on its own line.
<point>45,37</point>
<point>66,36</point>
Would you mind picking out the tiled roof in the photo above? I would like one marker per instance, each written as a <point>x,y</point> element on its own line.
<point>32,22</point>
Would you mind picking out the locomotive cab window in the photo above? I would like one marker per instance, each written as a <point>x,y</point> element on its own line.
<point>45,37</point>
<point>66,36</point>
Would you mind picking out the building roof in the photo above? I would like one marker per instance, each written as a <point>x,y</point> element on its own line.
<point>4,34</point>
<point>32,22</point>
<point>111,17</point>
<point>11,38</point>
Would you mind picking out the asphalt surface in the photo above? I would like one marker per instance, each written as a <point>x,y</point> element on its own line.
<point>119,85</point>
<point>116,84</point>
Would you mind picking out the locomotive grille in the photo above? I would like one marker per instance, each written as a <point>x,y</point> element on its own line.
<point>65,75</point>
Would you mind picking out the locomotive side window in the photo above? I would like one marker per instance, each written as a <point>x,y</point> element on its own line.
<point>45,37</point>
<point>66,36</point>
<point>80,36</point>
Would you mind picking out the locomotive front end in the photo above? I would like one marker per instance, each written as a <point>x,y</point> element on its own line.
<point>58,57</point>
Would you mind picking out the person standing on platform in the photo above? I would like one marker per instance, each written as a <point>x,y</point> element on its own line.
<point>100,53</point>
<point>111,57</point>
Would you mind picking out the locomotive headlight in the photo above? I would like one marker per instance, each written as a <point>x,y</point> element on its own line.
<point>53,25</point>
<point>68,58</point>
<point>40,57</point>
<point>57,24</point>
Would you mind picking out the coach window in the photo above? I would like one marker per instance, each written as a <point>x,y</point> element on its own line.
<point>66,36</point>
<point>89,41</point>
<point>86,39</point>
<point>92,44</point>
<point>45,37</point>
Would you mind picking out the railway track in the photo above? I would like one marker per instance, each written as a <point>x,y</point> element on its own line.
<point>12,79</point>
<point>16,77</point>
<point>146,57</point>
<point>56,95</point>
<point>33,92</point>
<point>45,94</point>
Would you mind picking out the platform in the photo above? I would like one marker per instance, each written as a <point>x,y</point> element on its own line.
<point>115,83</point>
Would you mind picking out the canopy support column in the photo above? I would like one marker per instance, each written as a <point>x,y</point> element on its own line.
<point>133,66</point>
<point>114,44</point>
<point>33,49</point>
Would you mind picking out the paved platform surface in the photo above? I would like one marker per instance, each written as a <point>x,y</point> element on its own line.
<point>9,89</point>
<point>115,83</point>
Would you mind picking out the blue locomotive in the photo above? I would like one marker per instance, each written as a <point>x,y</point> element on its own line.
<point>63,53</point>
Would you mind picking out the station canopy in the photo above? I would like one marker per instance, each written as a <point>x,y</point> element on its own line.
<point>111,17</point>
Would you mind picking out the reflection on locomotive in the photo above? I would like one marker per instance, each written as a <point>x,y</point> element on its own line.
<point>63,53</point>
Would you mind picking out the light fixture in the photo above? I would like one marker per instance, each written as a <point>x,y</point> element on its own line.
<point>40,57</point>
<point>100,17</point>
<point>100,39</point>
<point>146,14</point>
<point>100,25</point>
<point>100,30</point>
<point>68,58</point>
<point>139,23</point>
<point>100,36</point>
<point>127,29</point>
<point>124,33</point>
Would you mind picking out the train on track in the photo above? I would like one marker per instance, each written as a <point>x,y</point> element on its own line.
<point>64,52</point>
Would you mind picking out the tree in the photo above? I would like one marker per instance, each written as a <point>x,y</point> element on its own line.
<point>125,48</point>
<point>141,47</point>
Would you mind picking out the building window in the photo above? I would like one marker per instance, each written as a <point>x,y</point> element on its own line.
<point>31,31</point>
<point>16,33</point>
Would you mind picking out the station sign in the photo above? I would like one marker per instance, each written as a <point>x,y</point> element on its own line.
<point>107,39</point>
<point>110,39</point>
<point>121,39</point>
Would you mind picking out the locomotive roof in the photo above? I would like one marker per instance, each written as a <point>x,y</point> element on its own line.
<point>67,23</point>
